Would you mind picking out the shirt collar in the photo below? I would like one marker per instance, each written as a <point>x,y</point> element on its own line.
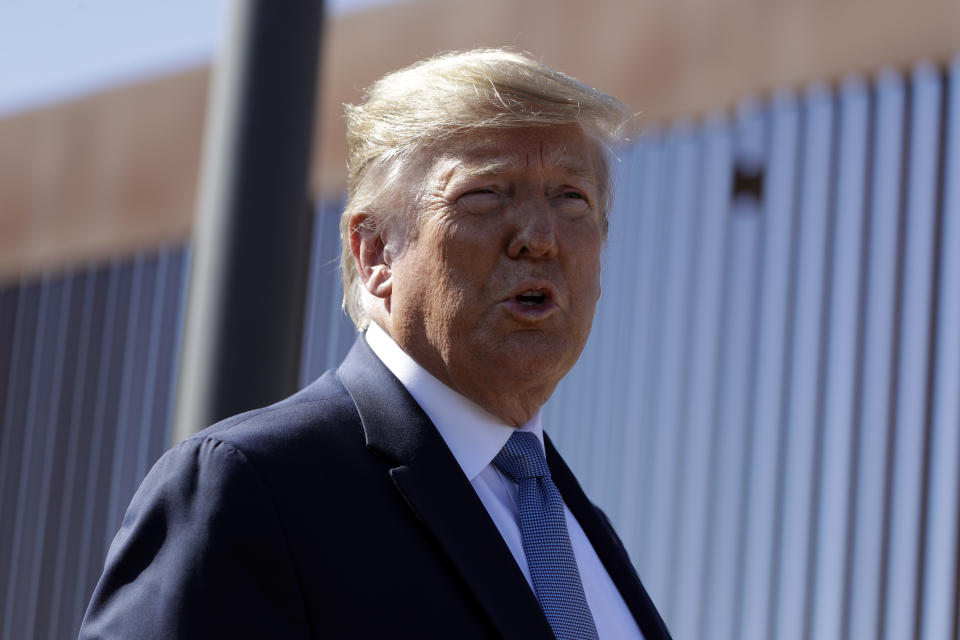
<point>473,434</point>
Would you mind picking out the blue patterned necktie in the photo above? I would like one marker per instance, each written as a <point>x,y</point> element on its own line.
<point>553,567</point>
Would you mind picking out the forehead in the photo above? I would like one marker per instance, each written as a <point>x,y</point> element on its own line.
<point>561,147</point>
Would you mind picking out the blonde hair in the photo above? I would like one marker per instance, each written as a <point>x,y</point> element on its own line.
<point>447,96</point>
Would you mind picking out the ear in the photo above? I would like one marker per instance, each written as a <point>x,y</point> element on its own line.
<point>370,255</point>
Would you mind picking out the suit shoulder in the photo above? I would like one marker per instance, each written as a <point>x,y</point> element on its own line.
<point>178,568</point>
<point>323,411</point>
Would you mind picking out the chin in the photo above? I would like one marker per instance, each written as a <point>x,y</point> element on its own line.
<point>533,365</point>
<point>525,356</point>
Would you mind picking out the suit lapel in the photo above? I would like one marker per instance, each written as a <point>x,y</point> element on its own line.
<point>608,547</point>
<point>433,484</point>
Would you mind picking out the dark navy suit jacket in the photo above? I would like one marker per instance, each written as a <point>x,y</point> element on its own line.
<point>338,512</point>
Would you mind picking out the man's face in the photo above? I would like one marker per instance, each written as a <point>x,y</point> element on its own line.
<point>494,292</point>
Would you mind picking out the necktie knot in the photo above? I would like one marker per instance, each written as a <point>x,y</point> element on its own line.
<point>522,457</point>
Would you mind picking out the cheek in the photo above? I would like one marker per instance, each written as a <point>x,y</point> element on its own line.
<point>588,288</point>
<point>471,261</point>
<point>589,267</point>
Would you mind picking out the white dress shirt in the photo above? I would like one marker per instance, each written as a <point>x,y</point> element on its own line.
<point>475,436</point>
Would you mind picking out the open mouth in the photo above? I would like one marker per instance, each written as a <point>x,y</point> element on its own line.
<point>531,298</point>
<point>532,301</point>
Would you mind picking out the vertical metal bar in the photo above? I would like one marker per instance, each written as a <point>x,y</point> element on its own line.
<point>9,297</point>
<point>752,161</point>
<point>136,378</point>
<point>72,471</point>
<point>841,384</point>
<point>47,425</point>
<point>625,222</point>
<point>659,201</point>
<point>900,606</point>
<point>713,206</point>
<point>866,562</point>
<point>113,411</point>
<point>638,377</point>
<point>667,401</point>
<point>85,400</point>
<point>101,441</point>
<point>771,366</point>
<point>168,318</point>
<point>25,329</point>
<point>656,204</point>
<point>152,367</point>
<point>17,618</point>
<point>59,456</point>
<point>939,602</point>
<point>129,399</point>
<point>245,316</point>
<point>723,570</point>
<point>694,146</point>
<point>804,397</point>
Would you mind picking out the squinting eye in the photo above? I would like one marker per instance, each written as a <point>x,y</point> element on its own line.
<point>572,196</point>
<point>480,194</point>
<point>480,200</point>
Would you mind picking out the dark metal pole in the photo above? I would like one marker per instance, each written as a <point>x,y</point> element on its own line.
<point>244,317</point>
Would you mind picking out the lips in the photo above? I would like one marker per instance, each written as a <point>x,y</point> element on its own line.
<point>533,292</point>
<point>531,297</point>
<point>532,300</point>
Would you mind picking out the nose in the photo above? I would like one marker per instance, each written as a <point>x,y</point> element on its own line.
<point>534,233</point>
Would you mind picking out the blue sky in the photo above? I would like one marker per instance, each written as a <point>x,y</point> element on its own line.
<point>57,50</point>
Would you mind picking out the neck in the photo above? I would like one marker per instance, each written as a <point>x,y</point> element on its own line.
<point>513,402</point>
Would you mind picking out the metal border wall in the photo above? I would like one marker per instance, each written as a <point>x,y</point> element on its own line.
<point>89,358</point>
<point>768,407</point>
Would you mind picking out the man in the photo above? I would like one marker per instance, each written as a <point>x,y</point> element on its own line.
<point>406,494</point>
